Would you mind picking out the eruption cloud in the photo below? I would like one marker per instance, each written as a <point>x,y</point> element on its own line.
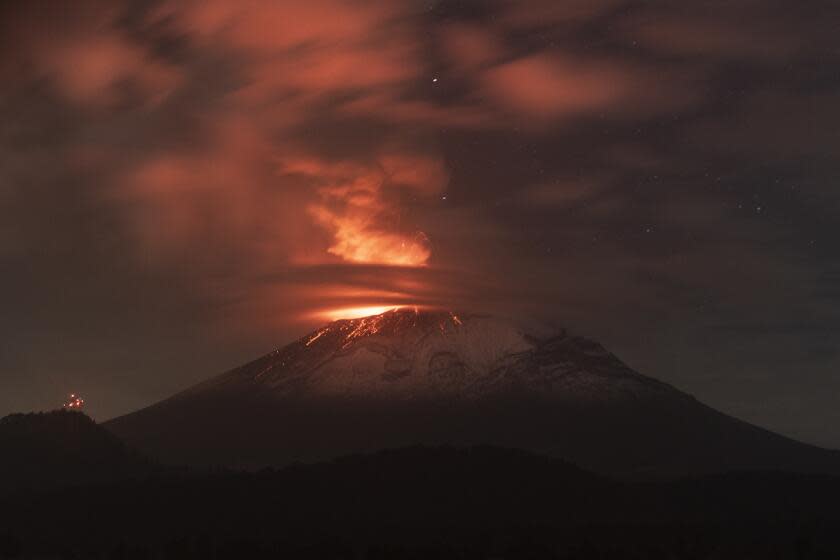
<point>267,141</point>
<point>360,205</point>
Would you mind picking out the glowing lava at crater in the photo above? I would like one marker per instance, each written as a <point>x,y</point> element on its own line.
<point>392,319</point>
<point>356,312</point>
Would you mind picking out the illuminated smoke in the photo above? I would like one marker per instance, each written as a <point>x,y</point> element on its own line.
<point>359,205</point>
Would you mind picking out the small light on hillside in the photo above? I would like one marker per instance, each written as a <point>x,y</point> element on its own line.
<point>75,402</point>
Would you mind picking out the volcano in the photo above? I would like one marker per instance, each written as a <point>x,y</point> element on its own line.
<point>408,377</point>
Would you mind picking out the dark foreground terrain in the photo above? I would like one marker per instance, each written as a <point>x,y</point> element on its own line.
<point>418,502</point>
<point>60,448</point>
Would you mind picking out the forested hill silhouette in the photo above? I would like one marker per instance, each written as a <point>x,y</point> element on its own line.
<point>422,502</point>
<point>51,449</point>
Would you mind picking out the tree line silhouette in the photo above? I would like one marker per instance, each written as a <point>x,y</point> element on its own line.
<point>99,500</point>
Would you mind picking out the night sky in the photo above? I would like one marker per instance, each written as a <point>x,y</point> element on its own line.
<point>186,185</point>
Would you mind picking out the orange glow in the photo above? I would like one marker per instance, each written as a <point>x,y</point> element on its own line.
<point>75,402</point>
<point>356,243</point>
<point>366,291</point>
<point>355,312</point>
<point>351,330</point>
<point>316,336</point>
<point>356,204</point>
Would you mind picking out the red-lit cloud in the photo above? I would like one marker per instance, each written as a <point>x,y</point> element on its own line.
<point>233,166</point>
<point>545,85</point>
<point>267,136</point>
<point>93,69</point>
<point>364,221</point>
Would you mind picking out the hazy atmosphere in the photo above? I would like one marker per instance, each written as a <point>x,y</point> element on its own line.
<point>187,185</point>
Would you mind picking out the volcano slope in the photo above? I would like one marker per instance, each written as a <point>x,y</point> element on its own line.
<point>409,377</point>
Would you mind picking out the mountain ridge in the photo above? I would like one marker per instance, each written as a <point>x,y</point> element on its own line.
<point>409,377</point>
<point>482,366</point>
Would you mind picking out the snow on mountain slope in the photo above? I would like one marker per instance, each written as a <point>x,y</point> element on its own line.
<point>411,354</point>
<point>410,377</point>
